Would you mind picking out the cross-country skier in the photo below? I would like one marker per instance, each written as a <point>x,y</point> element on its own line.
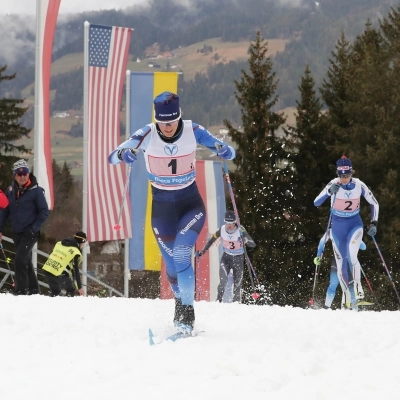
<point>233,256</point>
<point>347,228</point>
<point>178,212</point>
<point>333,276</point>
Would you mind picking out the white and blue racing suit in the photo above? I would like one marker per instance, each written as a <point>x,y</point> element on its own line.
<point>347,227</point>
<point>178,212</point>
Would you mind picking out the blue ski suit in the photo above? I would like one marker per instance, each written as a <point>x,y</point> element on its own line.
<point>178,211</point>
<point>347,227</point>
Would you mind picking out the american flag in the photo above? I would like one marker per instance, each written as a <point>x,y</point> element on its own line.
<point>107,60</point>
<point>47,12</point>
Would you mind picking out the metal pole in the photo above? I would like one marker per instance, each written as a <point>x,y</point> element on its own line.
<point>127,272</point>
<point>86,248</point>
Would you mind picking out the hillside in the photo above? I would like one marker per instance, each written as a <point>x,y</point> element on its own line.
<point>299,33</point>
<point>188,59</point>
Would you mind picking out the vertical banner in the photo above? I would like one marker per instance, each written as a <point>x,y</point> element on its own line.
<point>106,56</point>
<point>46,20</point>
<point>144,86</point>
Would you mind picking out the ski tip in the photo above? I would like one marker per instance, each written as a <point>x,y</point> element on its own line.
<point>364,303</point>
<point>151,340</point>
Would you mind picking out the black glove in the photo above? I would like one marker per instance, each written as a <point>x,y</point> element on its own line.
<point>372,228</point>
<point>199,253</point>
<point>29,234</point>
<point>334,188</point>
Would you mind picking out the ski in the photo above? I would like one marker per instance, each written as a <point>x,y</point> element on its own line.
<point>173,338</point>
<point>364,303</point>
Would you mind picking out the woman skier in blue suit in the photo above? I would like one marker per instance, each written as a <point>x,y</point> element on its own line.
<point>347,228</point>
<point>178,212</point>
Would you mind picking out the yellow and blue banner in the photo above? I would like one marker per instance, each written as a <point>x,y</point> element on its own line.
<point>144,87</point>
<point>143,249</point>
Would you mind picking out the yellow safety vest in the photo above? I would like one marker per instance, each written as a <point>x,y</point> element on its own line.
<point>61,259</point>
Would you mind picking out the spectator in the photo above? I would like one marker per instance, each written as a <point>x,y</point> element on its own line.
<point>27,210</point>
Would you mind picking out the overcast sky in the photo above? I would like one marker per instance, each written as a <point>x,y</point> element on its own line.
<point>67,6</point>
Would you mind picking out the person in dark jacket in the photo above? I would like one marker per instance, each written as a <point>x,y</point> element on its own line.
<point>27,211</point>
<point>61,269</point>
<point>233,257</point>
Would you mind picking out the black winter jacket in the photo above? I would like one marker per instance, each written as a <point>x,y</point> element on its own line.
<point>28,210</point>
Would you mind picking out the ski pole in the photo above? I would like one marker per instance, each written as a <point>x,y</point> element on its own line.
<point>117,226</point>
<point>387,270</point>
<point>250,267</point>
<point>370,288</point>
<point>8,265</point>
<point>228,180</point>
<point>311,302</point>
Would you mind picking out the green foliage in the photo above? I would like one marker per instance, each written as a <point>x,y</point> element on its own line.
<point>66,217</point>
<point>68,97</point>
<point>278,176</point>
<point>262,180</point>
<point>362,94</point>
<point>76,130</point>
<point>11,130</point>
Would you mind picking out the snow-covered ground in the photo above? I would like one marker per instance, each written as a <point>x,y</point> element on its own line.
<point>94,348</point>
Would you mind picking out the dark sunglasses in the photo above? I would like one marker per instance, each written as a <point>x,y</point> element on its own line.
<point>22,173</point>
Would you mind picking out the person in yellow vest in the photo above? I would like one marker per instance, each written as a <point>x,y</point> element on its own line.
<point>61,270</point>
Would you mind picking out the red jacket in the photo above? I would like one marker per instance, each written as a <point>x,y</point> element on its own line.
<point>3,200</point>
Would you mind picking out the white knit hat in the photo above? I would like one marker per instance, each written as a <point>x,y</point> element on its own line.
<point>20,166</point>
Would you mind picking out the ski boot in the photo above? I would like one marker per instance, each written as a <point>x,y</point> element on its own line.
<point>186,321</point>
<point>178,310</point>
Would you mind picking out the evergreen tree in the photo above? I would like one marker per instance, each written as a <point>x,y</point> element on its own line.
<point>262,179</point>
<point>66,216</point>
<point>363,119</point>
<point>388,146</point>
<point>335,93</point>
<point>309,157</point>
<point>11,130</point>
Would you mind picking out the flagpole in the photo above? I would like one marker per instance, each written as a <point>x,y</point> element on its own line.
<point>86,249</point>
<point>38,108</point>
<point>127,272</point>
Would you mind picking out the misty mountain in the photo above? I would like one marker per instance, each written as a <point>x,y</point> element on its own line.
<point>312,28</point>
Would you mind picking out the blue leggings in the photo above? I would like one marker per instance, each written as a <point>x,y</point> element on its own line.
<point>333,284</point>
<point>177,218</point>
<point>346,235</point>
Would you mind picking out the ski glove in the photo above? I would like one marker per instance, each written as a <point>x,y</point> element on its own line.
<point>372,228</point>
<point>317,261</point>
<point>28,234</point>
<point>127,155</point>
<point>225,152</point>
<point>334,188</point>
